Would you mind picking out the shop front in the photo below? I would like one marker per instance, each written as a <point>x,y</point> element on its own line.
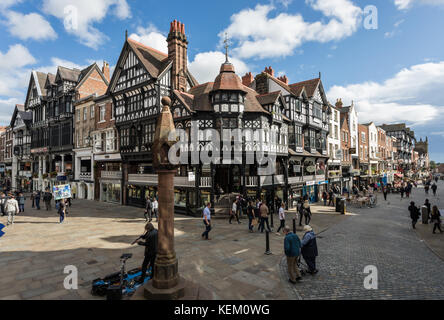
<point>110,192</point>
<point>311,191</point>
<point>137,194</point>
<point>294,195</point>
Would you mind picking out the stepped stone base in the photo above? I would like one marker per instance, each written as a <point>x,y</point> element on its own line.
<point>185,290</point>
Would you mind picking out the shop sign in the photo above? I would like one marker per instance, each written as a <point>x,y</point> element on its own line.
<point>310,183</point>
<point>311,169</point>
<point>336,180</point>
<point>297,168</point>
<point>191,177</point>
<point>323,182</point>
<point>346,179</point>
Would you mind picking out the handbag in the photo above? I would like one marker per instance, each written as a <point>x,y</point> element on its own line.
<point>255,222</point>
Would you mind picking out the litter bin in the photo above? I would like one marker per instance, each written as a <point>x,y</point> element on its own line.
<point>340,205</point>
<point>425,215</point>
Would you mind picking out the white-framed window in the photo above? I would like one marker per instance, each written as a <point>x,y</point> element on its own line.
<point>91,116</point>
<point>85,113</point>
<point>78,115</point>
<point>102,113</point>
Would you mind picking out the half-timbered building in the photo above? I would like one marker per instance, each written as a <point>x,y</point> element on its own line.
<point>21,162</point>
<point>306,107</point>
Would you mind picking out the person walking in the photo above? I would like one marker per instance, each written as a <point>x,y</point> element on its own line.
<point>330,198</point>
<point>281,218</point>
<point>325,197</point>
<point>11,209</point>
<point>309,249</point>
<point>292,249</point>
<point>33,200</point>
<point>149,241</point>
<point>155,209</point>
<point>414,214</point>
<point>207,221</point>
<point>385,192</point>
<point>2,203</point>
<point>37,200</point>
<point>61,210</point>
<point>436,219</point>
<point>264,212</point>
<point>148,208</point>
<point>426,188</point>
<point>402,190</point>
<point>434,188</point>
<point>408,189</point>
<point>251,216</point>
<point>21,202</point>
<point>234,213</point>
<point>307,212</point>
<point>300,210</point>
<point>47,197</point>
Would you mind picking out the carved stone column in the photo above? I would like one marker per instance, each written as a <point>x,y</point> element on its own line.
<point>166,283</point>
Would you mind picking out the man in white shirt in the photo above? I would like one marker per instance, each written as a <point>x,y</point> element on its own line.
<point>11,209</point>
<point>155,209</point>
<point>281,217</point>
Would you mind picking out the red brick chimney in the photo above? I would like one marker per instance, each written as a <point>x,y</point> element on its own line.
<point>270,71</point>
<point>105,71</point>
<point>284,79</point>
<point>247,79</point>
<point>177,53</point>
<point>339,103</point>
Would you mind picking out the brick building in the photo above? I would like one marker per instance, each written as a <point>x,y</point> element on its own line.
<point>364,156</point>
<point>346,161</point>
<point>108,162</point>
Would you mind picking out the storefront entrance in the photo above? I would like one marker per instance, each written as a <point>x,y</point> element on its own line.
<point>228,178</point>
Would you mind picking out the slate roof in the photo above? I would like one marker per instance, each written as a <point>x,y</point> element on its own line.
<point>309,85</point>
<point>269,98</point>
<point>153,60</point>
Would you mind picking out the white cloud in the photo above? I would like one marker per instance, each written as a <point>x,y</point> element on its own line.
<point>205,66</point>
<point>29,26</point>
<point>413,95</point>
<point>407,4</point>
<point>12,66</point>
<point>86,14</point>
<point>259,35</point>
<point>5,4</point>
<point>152,37</point>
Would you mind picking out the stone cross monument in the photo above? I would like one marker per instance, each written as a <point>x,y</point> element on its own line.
<point>166,283</point>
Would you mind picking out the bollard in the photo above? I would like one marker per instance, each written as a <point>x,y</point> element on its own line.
<point>267,243</point>
<point>294,225</point>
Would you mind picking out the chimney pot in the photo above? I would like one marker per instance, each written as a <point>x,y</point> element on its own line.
<point>247,79</point>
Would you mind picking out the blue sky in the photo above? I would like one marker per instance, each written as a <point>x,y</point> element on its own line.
<point>394,73</point>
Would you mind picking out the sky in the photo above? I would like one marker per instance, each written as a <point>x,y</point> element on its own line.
<point>387,56</point>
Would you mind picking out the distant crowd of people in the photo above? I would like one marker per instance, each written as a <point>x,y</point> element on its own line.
<point>13,203</point>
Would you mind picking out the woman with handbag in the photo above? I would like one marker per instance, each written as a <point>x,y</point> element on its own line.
<point>436,219</point>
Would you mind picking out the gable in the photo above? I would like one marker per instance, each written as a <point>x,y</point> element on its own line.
<point>129,72</point>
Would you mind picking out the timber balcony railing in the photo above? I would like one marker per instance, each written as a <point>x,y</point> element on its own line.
<point>152,179</point>
<point>111,174</point>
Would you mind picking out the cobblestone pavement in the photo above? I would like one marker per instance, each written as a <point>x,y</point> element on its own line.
<point>383,237</point>
<point>35,250</point>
